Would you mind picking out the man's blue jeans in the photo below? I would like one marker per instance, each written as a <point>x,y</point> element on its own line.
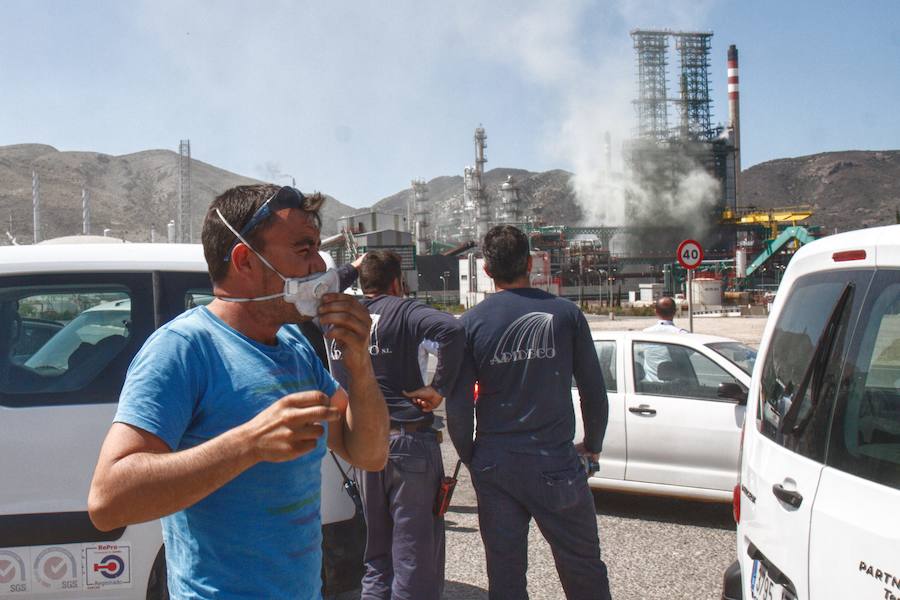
<point>512,488</point>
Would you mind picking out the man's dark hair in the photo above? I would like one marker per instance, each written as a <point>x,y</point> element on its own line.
<point>665,308</point>
<point>238,205</point>
<point>378,271</point>
<point>506,253</point>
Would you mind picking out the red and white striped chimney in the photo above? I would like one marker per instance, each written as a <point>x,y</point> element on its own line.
<point>734,115</point>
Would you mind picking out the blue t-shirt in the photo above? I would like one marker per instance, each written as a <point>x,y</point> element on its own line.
<point>258,536</point>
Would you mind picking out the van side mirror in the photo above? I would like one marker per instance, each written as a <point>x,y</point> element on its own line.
<point>732,391</point>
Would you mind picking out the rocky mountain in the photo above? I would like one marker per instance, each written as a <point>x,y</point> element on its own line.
<point>129,193</point>
<point>847,190</point>
<point>134,192</point>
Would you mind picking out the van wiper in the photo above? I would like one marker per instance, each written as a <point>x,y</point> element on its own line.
<point>818,362</point>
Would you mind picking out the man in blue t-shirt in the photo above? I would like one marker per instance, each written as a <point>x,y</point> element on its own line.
<point>523,347</point>
<point>226,410</point>
<point>405,542</point>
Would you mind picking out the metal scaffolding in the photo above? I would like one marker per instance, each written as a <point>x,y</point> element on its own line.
<point>652,49</point>
<point>185,210</point>
<point>694,101</point>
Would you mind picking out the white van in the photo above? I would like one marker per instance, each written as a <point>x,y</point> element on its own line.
<point>819,483</point>
<point>71,319</point>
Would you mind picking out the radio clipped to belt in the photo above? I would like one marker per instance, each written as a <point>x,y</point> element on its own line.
<point>445,492</point>
<point>350,486</point>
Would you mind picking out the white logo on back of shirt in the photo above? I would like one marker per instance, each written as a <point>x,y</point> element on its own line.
<point>530,336</point>
<point>374,345</point>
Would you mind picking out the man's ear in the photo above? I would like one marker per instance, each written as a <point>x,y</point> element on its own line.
<point>528,265</point>
<point>397,288</point>
<point>241,258</point>
<point>485,269</point>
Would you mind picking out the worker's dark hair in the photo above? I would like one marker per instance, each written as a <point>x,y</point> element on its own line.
<point>665,308</point>
<point>506,253</point>
<point>238,206</point>
<point>379,269</point>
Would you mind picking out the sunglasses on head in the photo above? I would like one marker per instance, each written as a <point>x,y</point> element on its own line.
<point>285,197</point>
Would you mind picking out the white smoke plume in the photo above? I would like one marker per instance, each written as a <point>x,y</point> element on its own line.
<point>596,86</point>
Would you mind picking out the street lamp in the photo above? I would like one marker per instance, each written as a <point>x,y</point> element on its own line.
<point>600,285</point>
<point>444,277</point>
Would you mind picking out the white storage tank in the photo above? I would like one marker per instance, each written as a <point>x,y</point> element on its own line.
<point>707,291</point>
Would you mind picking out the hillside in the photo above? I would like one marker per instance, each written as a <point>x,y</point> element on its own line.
<point>133,192</point>
<point>847,190</point>
<point>129,193</point>
<point>549,189</point>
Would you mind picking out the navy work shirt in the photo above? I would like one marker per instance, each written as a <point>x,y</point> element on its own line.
<point>399,327</point>
<point>523,347</point>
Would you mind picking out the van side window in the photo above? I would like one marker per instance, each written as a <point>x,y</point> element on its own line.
<point>865,438</point>
<point>796,396</point>
<point>60,343</point>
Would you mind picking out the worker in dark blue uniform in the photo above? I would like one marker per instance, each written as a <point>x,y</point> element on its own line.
<point>523,346</point>
<point>404,555</point>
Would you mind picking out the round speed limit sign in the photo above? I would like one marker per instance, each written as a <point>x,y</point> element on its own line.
<point>690,254</point>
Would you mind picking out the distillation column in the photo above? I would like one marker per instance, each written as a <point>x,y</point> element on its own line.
<point>509,198</point>
<point>420,190</point>
<point>483,218</point>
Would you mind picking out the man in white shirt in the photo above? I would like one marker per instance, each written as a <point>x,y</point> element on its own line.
<point>665,312</point>
<point>656,354</point>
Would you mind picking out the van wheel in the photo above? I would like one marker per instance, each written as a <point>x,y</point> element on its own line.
<point>158,587</point>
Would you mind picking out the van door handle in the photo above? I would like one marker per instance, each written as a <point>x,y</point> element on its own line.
<point>787,496</point>
<point>643,409</point>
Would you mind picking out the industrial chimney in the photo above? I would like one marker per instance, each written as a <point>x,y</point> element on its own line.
<point>734,117</point>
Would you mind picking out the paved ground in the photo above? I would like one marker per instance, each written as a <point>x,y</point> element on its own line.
<point>655,548</point>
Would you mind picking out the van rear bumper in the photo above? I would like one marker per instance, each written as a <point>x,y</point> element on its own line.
<point>731,583</point>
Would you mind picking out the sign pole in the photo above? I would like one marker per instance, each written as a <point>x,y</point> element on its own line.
<point>690,297</point>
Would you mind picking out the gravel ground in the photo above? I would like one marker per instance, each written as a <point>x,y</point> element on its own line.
<point>655,548</point>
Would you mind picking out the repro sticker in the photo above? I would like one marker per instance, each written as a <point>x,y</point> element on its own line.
<point>107,565</point>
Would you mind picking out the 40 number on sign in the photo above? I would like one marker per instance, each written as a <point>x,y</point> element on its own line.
<point>689,254</point>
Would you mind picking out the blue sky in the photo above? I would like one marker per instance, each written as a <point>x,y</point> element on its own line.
<point>356,98</point>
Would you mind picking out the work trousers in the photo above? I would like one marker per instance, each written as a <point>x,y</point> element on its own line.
<point>513,488</point>
<point>405,543</point>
